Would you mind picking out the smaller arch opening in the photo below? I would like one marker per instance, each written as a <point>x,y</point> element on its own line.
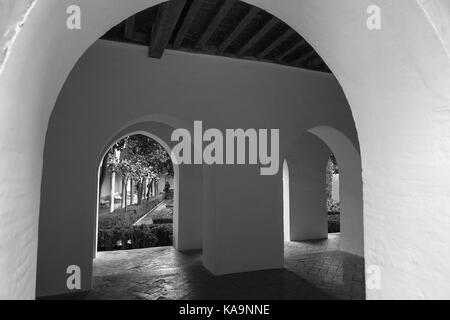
<point>315,205</point>
<point>137,195</point>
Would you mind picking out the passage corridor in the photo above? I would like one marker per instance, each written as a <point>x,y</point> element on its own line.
<point>314,270</point>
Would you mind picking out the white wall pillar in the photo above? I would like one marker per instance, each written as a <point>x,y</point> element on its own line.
<point>242,220</point>
<point>188,192</point>
<point>286,203</point>
<point>307,162</point>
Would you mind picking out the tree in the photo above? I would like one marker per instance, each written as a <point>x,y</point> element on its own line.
<point>332,169</point>
<point>104,169</point>
<point>329,182</point>
<point>138,158</point>
<point>334,164</point>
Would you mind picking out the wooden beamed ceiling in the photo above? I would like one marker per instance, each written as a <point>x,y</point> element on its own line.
<point>228,28</point>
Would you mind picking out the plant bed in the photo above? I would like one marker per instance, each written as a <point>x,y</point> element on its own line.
<point>135,237</point>
<point>121,219</point>
<point>162,217</point>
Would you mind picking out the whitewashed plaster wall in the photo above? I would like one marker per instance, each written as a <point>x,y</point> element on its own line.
<point>395,79</point>
<point>12,16</point>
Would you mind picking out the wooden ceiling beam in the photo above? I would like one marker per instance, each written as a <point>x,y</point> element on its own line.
<point>214,24</point>
<point>304,58</point>
<point>238,30</point>
<point>129,28</point>
<point>140,37</point>
<point>289,51</point>
<point>278,41</point>
<point>190,17</point>
<point>164,25</point>
<point>258,36</point>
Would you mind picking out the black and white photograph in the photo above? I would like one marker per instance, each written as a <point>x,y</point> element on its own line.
<point>224,156</point>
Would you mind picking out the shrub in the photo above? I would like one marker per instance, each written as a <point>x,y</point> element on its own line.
<point>333,206</point>
<point>168,195</point>
<point>142,237</point>
<point>135,237</point>
<point>163,233</point>
<point>163,217</point>
<point>162,220</point>
<point>334,223</point>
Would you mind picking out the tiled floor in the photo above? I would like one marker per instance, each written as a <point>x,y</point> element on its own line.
<point>314,270</point>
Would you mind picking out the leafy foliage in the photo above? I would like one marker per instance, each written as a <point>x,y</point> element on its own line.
<point>333,206</point>
<point>334,164</point>
<point>332,169</point>
<point>162,217</point>
<point>135,237</point>
<point>138,157</point>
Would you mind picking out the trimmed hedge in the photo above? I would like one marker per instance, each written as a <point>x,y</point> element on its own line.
<point>162,217</point>
<point>162,220</point>
<point>135,237</point>
<point>334,224</point>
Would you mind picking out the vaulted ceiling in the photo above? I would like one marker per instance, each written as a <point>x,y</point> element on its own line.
<point>228,28</point>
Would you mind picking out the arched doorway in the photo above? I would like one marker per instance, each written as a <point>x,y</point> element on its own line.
<point>138,194</point>
<point>305,212</point>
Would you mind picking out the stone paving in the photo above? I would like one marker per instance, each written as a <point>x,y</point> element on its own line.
<point>313,270</point>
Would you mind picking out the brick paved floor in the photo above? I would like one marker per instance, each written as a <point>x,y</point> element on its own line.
<point>321,263</point>
<point>313,270</point>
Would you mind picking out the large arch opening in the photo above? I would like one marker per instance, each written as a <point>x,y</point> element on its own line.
<point>272,41</point>
<point>223,200</point>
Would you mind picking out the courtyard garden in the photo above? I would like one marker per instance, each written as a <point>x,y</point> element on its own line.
<point>141,215</point>
<point>332,192</point>
<point>139,227</point>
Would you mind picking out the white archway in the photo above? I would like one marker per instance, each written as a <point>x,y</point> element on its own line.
<point>350,187</point>
<point>176,177</point>
<point>305,214</point>
<point>386,75</point>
